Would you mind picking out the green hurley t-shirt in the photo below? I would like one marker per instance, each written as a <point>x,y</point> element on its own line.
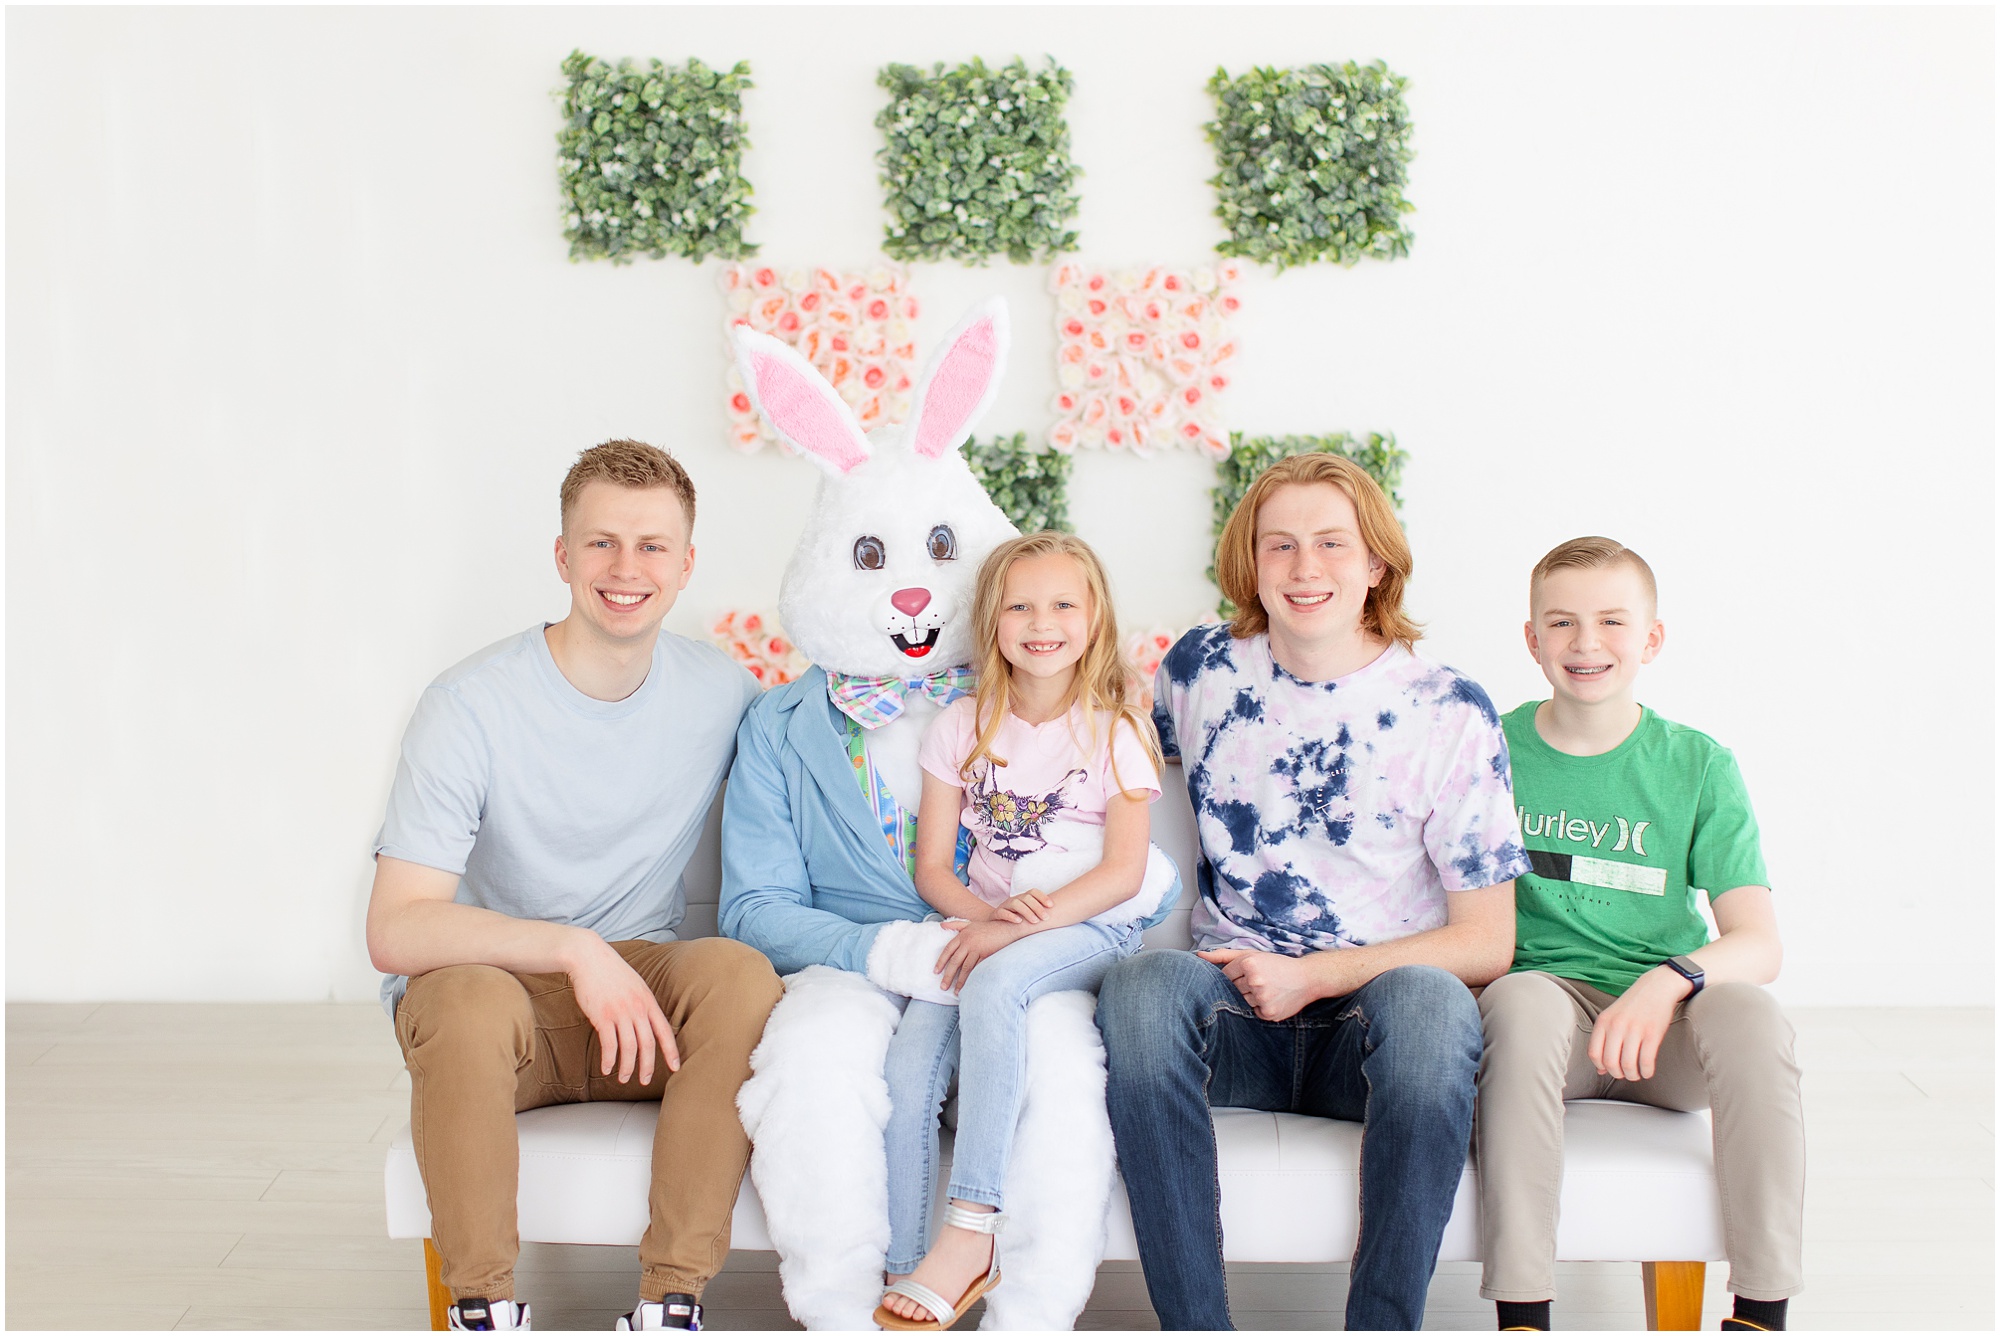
<point>1621,844</point>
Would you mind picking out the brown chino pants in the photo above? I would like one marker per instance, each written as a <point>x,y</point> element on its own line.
<point>482,1044</point>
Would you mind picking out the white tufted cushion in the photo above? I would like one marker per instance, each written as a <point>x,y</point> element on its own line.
<point>1637,1186</point>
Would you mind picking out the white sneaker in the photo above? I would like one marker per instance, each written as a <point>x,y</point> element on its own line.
<point>675,1312</point>
<point>489,1315</point>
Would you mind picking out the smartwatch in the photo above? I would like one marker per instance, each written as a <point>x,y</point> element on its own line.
<point>1687,969</point>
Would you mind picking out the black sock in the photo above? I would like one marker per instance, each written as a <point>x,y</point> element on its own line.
<point>1523,1315</point>
<point>1766,1313</point>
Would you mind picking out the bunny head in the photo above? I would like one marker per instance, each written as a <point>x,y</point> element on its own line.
<point>881,582</point>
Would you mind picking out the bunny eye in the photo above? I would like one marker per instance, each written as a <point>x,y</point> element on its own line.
<point>943,544</point>
<point>869,554</point>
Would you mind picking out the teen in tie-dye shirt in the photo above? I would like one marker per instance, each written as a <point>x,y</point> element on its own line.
<point>1333,813</point>
<point>1358,854</point>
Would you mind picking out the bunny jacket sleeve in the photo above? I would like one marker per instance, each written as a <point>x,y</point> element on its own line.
<point>806,876</point>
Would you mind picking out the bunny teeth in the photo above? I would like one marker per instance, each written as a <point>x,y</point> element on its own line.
<point>916,649</point>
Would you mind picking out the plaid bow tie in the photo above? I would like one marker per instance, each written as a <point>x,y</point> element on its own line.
<point>874,701</point>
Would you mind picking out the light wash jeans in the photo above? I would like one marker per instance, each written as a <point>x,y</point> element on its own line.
<point>984,1040</point>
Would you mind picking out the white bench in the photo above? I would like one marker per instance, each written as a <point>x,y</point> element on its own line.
<point>1638,1183</point>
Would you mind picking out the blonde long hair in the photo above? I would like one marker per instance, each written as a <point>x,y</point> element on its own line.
<point>1102,685</point>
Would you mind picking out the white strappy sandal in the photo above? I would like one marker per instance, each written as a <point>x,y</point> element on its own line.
<point>958,1217</point>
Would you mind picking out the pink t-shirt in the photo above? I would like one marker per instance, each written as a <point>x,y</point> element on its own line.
<point>1048,777</point>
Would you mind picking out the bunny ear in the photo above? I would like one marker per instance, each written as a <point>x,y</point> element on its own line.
<point>798,403</point>
<point>961,381</point>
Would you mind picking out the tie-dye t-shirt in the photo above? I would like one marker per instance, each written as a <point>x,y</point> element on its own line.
<point>1334,813</point>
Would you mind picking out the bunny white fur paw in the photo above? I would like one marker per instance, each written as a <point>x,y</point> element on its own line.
<point>1051,869</point>
<point>815,1106</point>
<point>904,960</point>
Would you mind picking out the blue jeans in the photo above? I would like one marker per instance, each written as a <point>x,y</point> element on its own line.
<point>983,1039</point>
<point>1399,1055</point>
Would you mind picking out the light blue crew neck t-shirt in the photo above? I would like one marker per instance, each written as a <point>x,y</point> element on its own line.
<point>549,804</point>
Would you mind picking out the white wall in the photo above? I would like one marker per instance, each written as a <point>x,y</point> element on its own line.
<point>296,361</point>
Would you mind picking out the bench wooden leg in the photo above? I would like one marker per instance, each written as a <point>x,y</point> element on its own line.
<point>441,1297</point>
<point>1673,1294</point>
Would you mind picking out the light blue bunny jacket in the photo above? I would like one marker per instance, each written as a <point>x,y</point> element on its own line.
<point>806,876</point>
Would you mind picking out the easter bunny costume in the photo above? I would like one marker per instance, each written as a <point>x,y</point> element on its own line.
<point>819,813</point>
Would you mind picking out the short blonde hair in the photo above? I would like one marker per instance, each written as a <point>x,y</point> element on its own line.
<point>1592,553</point>
<point>627,464</point>
<point>1236,554</point>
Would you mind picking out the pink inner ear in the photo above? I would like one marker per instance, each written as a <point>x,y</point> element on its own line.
<point>800,410</point>
<point>955,391</point>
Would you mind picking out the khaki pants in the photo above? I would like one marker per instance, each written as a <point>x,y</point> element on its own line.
<point>482,1044</point>
<point>1729,1048</point>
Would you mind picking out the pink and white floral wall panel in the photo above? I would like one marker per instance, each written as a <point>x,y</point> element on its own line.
<point>755,640</point>
<point>1142,356</point>
<point>856,328</point>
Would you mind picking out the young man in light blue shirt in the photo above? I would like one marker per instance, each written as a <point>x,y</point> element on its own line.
<point>528,883</point>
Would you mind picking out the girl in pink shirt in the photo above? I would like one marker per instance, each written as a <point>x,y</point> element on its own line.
<point>1052,768</point>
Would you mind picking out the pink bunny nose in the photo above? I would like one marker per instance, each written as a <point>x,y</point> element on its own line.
<point>910,602</point>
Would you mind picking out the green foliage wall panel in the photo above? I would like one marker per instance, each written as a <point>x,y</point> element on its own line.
<point>1310,163</point>
<point>976,162</point>
<point>1031,487</point>
<point>651,160</point>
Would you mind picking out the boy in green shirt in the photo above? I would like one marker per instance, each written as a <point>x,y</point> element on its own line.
<point>1627,818</point>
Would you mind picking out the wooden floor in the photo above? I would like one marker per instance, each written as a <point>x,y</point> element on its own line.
<point>220,1166</point>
